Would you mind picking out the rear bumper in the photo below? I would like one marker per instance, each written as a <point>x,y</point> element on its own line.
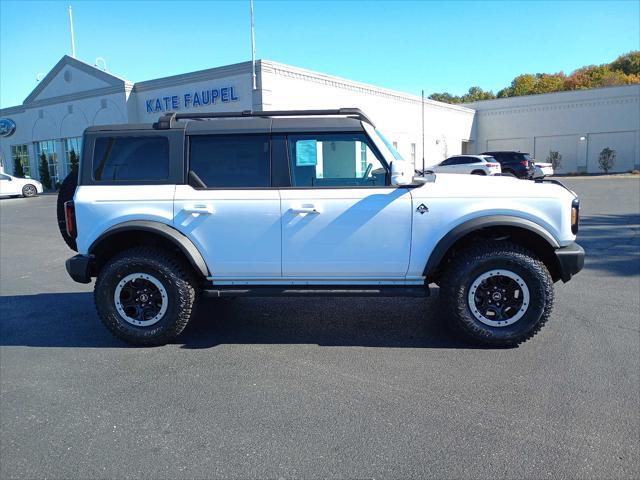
<point>570,260</point>
<point>79,268</point>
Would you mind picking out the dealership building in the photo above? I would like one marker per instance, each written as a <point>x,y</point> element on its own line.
<point>75,95</point>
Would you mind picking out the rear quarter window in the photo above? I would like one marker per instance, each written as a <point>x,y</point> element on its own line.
<point>130,158</point>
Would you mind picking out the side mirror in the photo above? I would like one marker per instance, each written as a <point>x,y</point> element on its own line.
<point>401,173</point>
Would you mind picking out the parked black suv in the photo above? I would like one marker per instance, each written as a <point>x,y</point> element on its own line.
<point>516,163</point>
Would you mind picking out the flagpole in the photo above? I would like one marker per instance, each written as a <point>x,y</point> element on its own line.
<point>73,41</point>
<point>253,47</point>
<point>422,132</point>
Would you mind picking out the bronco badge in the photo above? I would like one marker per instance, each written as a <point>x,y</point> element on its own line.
<point>422,209</point>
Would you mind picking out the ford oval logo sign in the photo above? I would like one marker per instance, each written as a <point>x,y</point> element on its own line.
<point>7,127</point>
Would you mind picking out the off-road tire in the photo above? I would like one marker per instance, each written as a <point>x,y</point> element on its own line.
<point>66,193</point>
<point>509,173</point>
<point>175,277</point>
<point>29,190</point>
<point>469,264</point>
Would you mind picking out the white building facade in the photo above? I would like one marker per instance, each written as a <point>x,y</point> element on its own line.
<point>74,95</point>
<point>577,124</point>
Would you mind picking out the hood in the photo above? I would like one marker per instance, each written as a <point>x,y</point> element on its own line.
<point>474,186</point>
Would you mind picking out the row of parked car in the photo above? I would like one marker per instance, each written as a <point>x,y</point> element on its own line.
<point>516,164</point>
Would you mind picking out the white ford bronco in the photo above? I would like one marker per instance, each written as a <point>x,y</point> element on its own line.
<point>304,203</point>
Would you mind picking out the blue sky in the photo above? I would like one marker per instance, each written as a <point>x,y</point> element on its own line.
<point>408,46</point>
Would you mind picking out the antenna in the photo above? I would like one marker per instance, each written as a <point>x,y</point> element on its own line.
<point>422,132</point>
<point>253,47</point>
<point>73,41</point>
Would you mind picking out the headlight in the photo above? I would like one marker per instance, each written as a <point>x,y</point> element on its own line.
<point>575,215</point>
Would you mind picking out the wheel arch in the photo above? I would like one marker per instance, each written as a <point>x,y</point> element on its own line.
<point>498,227</point>
<point>145,232</point>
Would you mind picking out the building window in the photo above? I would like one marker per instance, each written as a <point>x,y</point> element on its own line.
<point>20,158</point>
<point>413,153</point>
<point>46,150</point>
<point>363,157</point>
<point>72,150</point>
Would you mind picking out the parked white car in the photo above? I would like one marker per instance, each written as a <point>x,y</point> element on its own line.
<point>473,164</point>
<point>27,187</point>
<point>542,170</point>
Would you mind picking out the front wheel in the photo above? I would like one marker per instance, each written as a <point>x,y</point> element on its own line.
<point>145,296</point>
<point>497,293</point>
<point>29,190</point>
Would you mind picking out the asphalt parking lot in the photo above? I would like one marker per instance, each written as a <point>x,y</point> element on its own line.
<point>331,388</point>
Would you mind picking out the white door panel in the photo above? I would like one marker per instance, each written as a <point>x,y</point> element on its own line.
<point>99,207</point>
<point>237,231</point>
<point>343,232</point>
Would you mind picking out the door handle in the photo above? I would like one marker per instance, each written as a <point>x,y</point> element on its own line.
<point>200,209</point>
<point>304,209</point>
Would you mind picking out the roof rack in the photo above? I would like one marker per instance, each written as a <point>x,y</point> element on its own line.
<point>168,120</point>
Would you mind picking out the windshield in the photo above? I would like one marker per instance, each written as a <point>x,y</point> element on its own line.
<point>389,145</point>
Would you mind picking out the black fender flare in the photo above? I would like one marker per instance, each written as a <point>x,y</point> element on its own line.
<point>167,232</point>
<point>465,228</point>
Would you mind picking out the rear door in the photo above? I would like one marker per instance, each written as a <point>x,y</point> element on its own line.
<point>341,220</point>
<point>228,208</point>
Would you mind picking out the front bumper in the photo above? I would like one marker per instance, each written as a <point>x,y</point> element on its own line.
<point>79,268</point>
<point>570,260</point>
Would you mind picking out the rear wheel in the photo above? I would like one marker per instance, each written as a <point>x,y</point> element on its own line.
<point>29,190</point>
<point>478,172</point>
<point>145,296</point>
<point>509,173</point>
<point>497,293</point>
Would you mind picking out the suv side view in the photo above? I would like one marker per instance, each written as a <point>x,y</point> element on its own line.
<point>304,203</point>
<point>518,164</point>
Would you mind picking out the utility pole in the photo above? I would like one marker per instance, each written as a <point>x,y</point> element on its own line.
<point>73,41</point>
<point>253,47</point>
<point>422,132</point>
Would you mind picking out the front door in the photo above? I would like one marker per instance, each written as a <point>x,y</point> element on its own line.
<point>229,210</point>
<point>340,218</point>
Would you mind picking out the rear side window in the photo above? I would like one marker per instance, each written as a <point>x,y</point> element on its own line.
<point>231,161</point>
<point>131,158</point>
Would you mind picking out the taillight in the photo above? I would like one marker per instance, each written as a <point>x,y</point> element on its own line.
<point>70,218</point>
<point>493,164</point>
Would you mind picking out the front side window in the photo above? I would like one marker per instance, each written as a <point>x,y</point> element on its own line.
<point>131,159</point>
<point>334,160</point>
<point>20,157</point>
<point>231,161</point>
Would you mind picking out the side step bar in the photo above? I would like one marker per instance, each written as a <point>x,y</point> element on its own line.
<point>318,291</point>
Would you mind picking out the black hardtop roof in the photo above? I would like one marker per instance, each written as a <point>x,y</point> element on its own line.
<point>248,121</point>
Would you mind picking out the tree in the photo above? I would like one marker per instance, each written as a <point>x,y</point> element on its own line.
<point>45,177</point>
<point>444,97</point>
<point>555,159</point>
<point>475,94</point>
<point>18,170</point>
<point>73,160</point>
<point>628,63</point>
<point>607,159</point>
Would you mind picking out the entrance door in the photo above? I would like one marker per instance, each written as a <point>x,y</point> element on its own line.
<point>230,211</point>
<point>340,218</point>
